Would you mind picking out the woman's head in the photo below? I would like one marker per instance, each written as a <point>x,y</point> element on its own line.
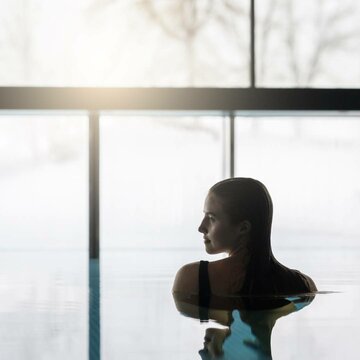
<point>245,199</point>
<point>221,234</point>
<point>242,206</point>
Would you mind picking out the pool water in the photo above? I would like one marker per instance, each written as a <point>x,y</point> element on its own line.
<point>55,305</point>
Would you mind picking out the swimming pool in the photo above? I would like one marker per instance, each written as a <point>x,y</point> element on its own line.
<point>55,306</point>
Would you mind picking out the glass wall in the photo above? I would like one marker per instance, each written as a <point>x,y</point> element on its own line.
<point>307,43</point>
<point>124,43</point>
<point>44,182</point>
<point>155,172</point>
<point>43,236</point>
<point>311,169</point>
<point>179,43</point>
<point>154,175</point>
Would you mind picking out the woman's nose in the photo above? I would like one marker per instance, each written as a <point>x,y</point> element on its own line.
<point>202,227</point>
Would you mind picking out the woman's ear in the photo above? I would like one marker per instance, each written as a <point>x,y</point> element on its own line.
<point>244,227</point>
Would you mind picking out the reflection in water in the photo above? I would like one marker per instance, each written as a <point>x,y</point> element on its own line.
<point>248,323</point>
<point>94,309</point>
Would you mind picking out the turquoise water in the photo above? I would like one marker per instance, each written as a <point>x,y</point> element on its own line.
<point>54,306</point>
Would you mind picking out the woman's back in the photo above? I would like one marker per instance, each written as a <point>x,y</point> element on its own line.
<point>227,277</point>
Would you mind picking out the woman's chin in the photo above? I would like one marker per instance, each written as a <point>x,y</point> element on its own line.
<point>210,250</point>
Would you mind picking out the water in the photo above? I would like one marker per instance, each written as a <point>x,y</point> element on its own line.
<point>51,309</point>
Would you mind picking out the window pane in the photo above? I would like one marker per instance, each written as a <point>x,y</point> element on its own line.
<point>308,43</point>
<point>312,171</point>
<point>155,173</point>
<point>43,232</point>
<point>124,43</point>
<point>44,182</point>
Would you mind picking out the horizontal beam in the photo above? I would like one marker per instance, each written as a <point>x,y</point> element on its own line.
<point>178,99</point>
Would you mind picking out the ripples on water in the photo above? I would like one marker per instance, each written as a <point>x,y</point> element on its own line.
<point>45,297</point>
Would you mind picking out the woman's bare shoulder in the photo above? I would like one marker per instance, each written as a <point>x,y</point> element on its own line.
<point>186,279</point>
<point>311,287</point>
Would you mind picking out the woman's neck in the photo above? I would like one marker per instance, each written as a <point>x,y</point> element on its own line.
<point>243,249</point>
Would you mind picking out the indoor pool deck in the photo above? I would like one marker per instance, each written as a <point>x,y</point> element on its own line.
<point>55,306</point>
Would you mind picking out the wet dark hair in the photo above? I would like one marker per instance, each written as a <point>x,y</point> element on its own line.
<point>248,199</point>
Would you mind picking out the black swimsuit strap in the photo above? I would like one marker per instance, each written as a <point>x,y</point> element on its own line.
<point>204,291</point>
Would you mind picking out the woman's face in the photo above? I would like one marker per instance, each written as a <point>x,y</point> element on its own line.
<point>220,235</point>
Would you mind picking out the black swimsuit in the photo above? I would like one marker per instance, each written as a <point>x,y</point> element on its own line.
<point>204,290</point>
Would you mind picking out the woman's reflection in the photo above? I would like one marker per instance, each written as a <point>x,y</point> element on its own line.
<point>248,323</point>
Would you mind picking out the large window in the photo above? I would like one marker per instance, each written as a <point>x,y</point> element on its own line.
<point>155,172</point>
<point>205,105</point>
<point>124,43</point>
<point>310,166</point>
<point>307,43</point>
<point>44,236</point>
<point>43,177</point>
<point>179,43</point>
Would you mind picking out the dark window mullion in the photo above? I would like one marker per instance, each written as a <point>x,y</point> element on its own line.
<point>252,43</point>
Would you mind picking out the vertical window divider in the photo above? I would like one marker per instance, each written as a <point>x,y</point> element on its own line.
<point>94,185</point>
<point>229,145</point>
<point>94,311</point>
<point>232,144</point>
<point>252,44</point>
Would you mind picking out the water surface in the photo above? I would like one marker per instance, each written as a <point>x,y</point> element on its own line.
<point>53,306</point>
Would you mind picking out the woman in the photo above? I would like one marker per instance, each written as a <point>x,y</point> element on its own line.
<point>237,220</point>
